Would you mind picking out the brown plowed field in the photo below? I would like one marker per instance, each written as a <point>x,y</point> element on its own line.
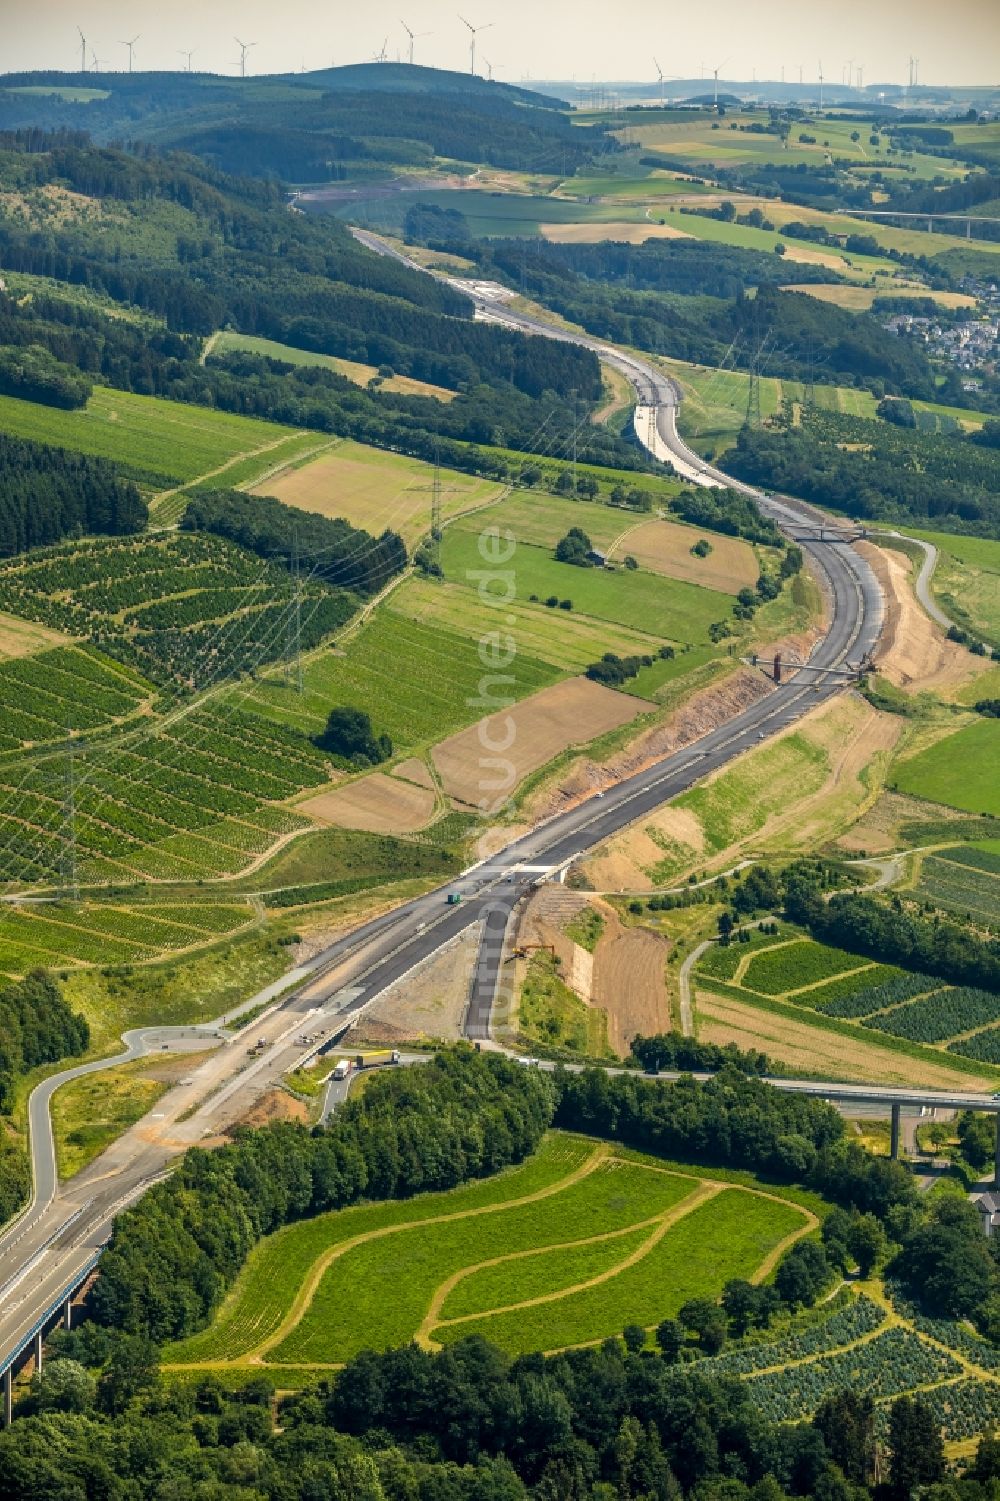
<point>800,1046</point>
<point>629,981</point>
<point>377,803</point>
<point>414,770</point>
<point>664,547</point>
<point>913,653</point>
<point>625,976</point>
<point>481,772</point>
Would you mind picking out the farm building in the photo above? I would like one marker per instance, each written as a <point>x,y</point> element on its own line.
<point>989,1210</point>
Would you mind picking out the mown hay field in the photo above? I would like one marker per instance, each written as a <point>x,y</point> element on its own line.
<point>417,681</point>
<point>374,489</point>
<point>359,374</point>
<point>664,547</point>
<point>675,611</point>
<point>603,1240</point>
<point>563,639</point>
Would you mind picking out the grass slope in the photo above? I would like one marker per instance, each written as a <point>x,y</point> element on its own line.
<point>960,770</point>
<point>160,443</point>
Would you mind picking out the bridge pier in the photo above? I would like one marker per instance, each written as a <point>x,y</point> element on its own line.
<point>8,1397</point>
<point>996,1153</point>
<point>38,1353</point>
<point>894,1135</point>
<point>68,1312</point>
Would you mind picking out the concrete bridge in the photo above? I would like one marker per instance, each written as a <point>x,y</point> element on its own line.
<point>927,217</point>
<point>57,1309</point>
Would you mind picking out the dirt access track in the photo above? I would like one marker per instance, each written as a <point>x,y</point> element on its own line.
<point>481,766</point>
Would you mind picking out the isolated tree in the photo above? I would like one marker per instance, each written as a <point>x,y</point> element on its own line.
<point>574,548</point>
<point>741,1301</point>
<point>634,1336</point>
<point>866,1242</point>
<point>977,1137</point>
<point>349,734</point>
<point>707,1320</point>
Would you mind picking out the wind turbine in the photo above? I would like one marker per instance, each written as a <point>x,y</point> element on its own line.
<point>83,52</point>
<point>659,74</point>
<point>130,45</point>
<point>383,56</point>
<point>821,85</point>
<point>95,61</point>
<point>414,36</point>
<point>474,32</point>
<point>489,69</point>
<point>861,76</point>
<point>244,49</point>
<point>715,75</point>
<point>188,55</point>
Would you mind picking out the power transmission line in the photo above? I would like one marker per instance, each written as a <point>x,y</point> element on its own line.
<point>68,882</point>
<point>436,527</point>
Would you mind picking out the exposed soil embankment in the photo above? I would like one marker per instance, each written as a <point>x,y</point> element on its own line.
<point>702,713</point>
<point>913,653</point>
<point>625,974</point>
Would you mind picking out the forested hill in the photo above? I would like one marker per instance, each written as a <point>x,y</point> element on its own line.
<point>147,254</point>
<point>312,127</point>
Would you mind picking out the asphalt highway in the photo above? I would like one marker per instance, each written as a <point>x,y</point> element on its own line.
<point>46,1251</point>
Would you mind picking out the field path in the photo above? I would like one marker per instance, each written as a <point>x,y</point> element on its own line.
<point>698,1196</point>
<point>684,985</point>
<point>209,345</point>
<point>158,501</point>
<point>703,1190</point>
<point>627,532</point>
<point>307,1291</point>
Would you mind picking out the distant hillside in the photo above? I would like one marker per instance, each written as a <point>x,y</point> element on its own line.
<point>119,266</point>
<point>310,127</point>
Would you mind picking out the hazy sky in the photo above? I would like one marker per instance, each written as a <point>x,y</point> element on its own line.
<point>956,42</point>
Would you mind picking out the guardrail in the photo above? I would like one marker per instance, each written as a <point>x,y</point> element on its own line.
<point>58,1306</point>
